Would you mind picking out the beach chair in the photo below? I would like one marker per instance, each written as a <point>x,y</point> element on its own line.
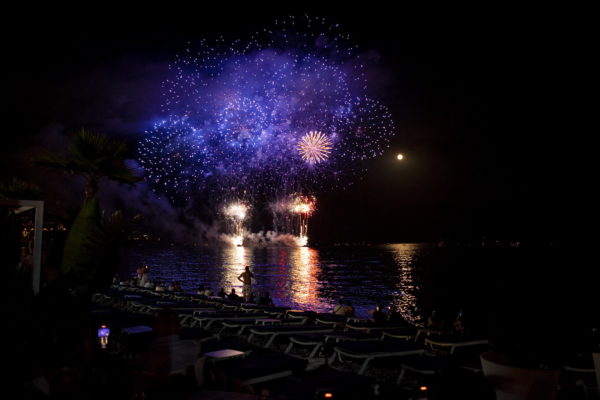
<point>366,325</point>
<point>445,352</point>
<point>448,344</point>
<point>426,365</point>
<point>242,324</point>
<point>299,315</point>
<point>273,331</point>
<point>513,382</point>
<point>366,351</point>
<point>260,367</point>
<point>337,321</point>
<point>206,321</point>
<point>314,342</point>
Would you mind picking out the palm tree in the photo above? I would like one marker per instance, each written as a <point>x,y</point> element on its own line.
<point>93,156</point>
<point>92,242</point>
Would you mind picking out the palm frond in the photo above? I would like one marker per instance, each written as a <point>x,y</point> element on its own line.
<point>18,189</point>
<point>94,156</point>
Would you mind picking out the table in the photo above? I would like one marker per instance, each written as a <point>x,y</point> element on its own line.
<point>220,395</point>
<point>224,354</point>
<point>133,330</point>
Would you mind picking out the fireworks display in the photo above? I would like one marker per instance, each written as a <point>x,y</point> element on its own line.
<point>314,147</point>
<point>302,207</point>
<point>284,110</point>
<point>291,214</point>
<point>235,215</point>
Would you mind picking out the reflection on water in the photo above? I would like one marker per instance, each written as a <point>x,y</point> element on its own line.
<point>304,266</point>
<point>235,258</point>
<point>299,277</point>
<point>405,299</point>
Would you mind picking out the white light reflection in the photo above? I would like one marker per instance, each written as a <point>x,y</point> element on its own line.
<point>234,261</point>
<point>304,286</point>
<point>405,299</point>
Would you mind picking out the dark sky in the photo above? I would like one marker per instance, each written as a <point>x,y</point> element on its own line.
<point>479,98</point>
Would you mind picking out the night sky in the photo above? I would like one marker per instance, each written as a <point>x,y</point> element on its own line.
<point>479,100</point>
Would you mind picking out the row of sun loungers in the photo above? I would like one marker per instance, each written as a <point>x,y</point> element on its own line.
<point>274,342</point>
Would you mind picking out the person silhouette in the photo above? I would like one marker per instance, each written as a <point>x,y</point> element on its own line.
<point>246,278</point>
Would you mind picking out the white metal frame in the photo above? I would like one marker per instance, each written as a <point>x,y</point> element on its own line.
<point>26,205</point>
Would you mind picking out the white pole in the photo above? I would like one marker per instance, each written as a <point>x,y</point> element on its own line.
<point>21,206</point>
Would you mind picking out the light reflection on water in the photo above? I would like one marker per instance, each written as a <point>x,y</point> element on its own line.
<point>304,267</point>
<point>298,277</point>
<point>405,300</point>
<point>235,258</point>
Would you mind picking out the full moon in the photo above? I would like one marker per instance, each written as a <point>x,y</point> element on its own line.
<point>399,156</point>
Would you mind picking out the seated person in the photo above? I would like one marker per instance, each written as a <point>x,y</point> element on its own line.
<point>458,324</point>
<point>233,295</point>
<point>340,308</point>
<point>394,316</point>
<point>222,293</point>
<point>378,316</point>
<point>349,310</point>
<point>201,289</point>
<point>265,299</point>
<point>434,321</point>
<point>208,292</point>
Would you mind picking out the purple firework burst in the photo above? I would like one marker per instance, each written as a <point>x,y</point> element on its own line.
<point>238,111</point>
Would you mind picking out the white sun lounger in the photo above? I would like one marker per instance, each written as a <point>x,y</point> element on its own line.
<point>369,350</point>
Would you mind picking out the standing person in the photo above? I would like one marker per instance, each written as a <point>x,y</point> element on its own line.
<point>246,278</point>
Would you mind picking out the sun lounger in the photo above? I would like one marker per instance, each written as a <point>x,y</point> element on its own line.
<point>278,312</point>
<point>206,321</point>
<point>449,343</point>
<point>369,350</point>
<point>260,367</point>
<point>239,324</point>
<point>356,324</point>
<point>337,337</point>
<point>326,341</point>
<point>425,364</point>
<point>274,331</point>
<point>301,316</point>
<point>314,341</point>
<point>331,319</point>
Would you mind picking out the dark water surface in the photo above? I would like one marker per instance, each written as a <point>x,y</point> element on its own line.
<point>493,286</point>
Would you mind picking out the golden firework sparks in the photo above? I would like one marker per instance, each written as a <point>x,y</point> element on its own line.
<point>314,147</point>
